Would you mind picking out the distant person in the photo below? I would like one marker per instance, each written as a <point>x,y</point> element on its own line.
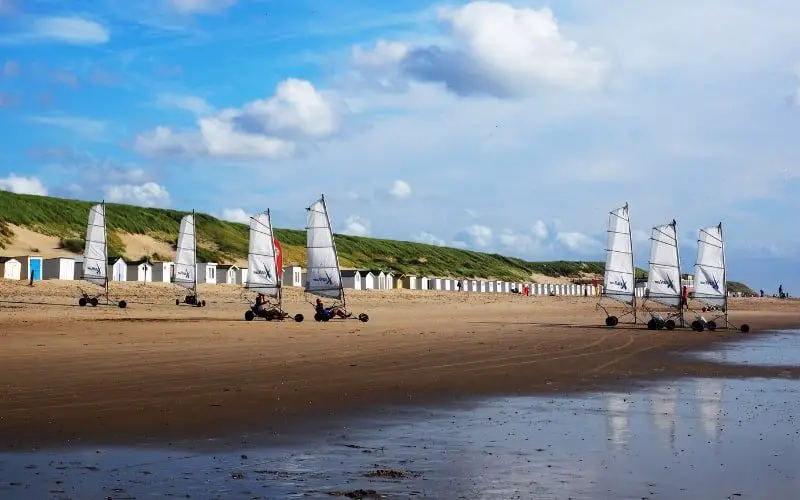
<point>762,292</point>
<point>685,297</point>
<point>780,291</point>
<point>331,312</point>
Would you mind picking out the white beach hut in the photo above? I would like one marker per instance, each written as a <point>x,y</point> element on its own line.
<point>226,274</point>
<point>435,284</point>
<point>241,276</point>
<point>10,268</point>
<point>389,280</point>
<point>117,269</point>
<point>410,282</point>
<point>206,272</point>
<point>58,268</point>
<point>162,272</point>
<point>351,278</point>
<point>293,276</point>
<point>380,279</point>
<point>473,285</point>
<point>367,280</point>
<point>423,283</point>
<point>141,271</point>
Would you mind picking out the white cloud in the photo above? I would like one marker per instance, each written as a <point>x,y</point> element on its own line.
<point>148,194</point>
<point>201,6</point>
<point>23,185</point>
<point>539,230</point>
<point>400,190</point>
<point>235,215</point>
<point>429,239</point>
<point>270,128</point>
<point>193,104</point>
<point>93,129</point>
<point>70,30</point>
<point>356,226</point>
<point>578,242</point>
<point>494,49</point>
<point>476,235</point>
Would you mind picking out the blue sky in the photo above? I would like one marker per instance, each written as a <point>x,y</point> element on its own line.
<point>512,127</point>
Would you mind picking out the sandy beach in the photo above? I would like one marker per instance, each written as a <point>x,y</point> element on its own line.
<point>156,371</point>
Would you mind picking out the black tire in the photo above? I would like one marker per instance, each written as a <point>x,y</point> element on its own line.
<point>177,302</point>
<point>299,317</point>
<point>363,317</point>
<point>697,326</point>
<point>711,325</point>
<point>122,304</point>
<point>745,328</point>
<point>249,316</point>
<point>317,317</point>
<point>93,301</point>
<point>670,324</point>
<point>325,318</point>
<point>612,321</point>
<point>82,302</point>
<point>652,325</point>
<point>203,303</point>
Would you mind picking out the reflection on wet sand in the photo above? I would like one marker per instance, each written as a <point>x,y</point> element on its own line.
<point>617,408</point>
<point>665,411</point>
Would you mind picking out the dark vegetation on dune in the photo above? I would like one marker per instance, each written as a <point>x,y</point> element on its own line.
<point>223,241</point>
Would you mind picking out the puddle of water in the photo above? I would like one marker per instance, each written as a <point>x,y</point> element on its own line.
<point>774,349</point>
<point>691,439</point>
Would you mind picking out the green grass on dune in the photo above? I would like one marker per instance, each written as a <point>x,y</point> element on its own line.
<point>222,241</point>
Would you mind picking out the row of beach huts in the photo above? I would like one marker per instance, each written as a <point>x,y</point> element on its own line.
<point>31,267</point>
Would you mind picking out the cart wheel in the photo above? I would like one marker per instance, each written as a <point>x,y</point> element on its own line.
<point>299,317</point>
<point>711,325</point>
<point>93,301</point>
<point>651,325</point>
<point>363,317</point>
<point>122,304</point>
<point>317,317</point>
<point>670,324</point>
<point>204,303</point>
<point>326,318</point>
<point>612,321</point>
<point>697,326</point>
<point>82,302</point>
<point>249,316</point>
<point>745,328</point>
<point>177,302</point>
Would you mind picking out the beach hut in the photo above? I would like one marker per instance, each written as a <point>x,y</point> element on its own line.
<point>389,280</point>
<point>140,270</point>
<point>447,284</point>
<point>473,285</point>
<point>435,284</point>
<point>482,286</point>
<point>162,272</point>
<point>490,286</point>
<point>409,282</point>
<point>206,272</point>
<point>380,278</point>
<point>226,274</point>
<point>30,267</point>
<point>351,278</point>
<point>367,280</point>
<point>241,276</point>
<point>423,283</point>
<point>293,276</point>
<point>464,285</point>
<point>58,268</point>
<point>506,287</point>
<point>117,269</point>
<point>11,268</point>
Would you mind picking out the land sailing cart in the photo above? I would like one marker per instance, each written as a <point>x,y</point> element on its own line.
<point>663,300</point>
<point>95,259</point>
<point>619,280</point>
<point>186,261</point>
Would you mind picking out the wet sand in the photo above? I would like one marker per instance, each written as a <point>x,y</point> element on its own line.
<point>156,371</point>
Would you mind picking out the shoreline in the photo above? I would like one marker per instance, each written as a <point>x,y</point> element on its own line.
<point>165,373</point>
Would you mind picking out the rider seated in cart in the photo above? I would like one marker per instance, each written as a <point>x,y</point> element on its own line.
<point>332,311</point>
<point>264,309</point>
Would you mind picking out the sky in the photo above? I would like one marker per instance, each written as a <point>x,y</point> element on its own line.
<point>508,127</point>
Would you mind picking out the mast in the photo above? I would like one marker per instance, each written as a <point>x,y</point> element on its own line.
<point>633,263</point>
<point>194,235</point>
<point>336,253</point>
<point>724,274</point>
<point>680,276</point>
<point>105,247</point>
<point>275,262</point>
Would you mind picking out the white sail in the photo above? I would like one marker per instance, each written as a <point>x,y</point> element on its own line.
<point>620,279</point>
<point>323,273</point>
<point>186,255</point>
<point>710,284</point>
<point>664,281</point>
<point>262,274</point>
<point>95,252</point>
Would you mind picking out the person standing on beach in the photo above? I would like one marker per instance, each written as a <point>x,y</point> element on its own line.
<point>685,297</point>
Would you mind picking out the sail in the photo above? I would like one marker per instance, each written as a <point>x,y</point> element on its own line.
<point>323,273</point>
<point>94,250</point>
<point>619,280</point>
<point>262,274</point>
<point>664,281</point>
<point>185,255</point>
<point>709,272</point>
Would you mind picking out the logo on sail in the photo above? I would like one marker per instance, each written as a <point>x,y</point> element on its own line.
<point>94,269</point>
<point>667,281</point>
<point>184,273</point>
<point>265,272</point>
<point>620,283</point>
<point>325,280</point>
<point>710,281</point>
